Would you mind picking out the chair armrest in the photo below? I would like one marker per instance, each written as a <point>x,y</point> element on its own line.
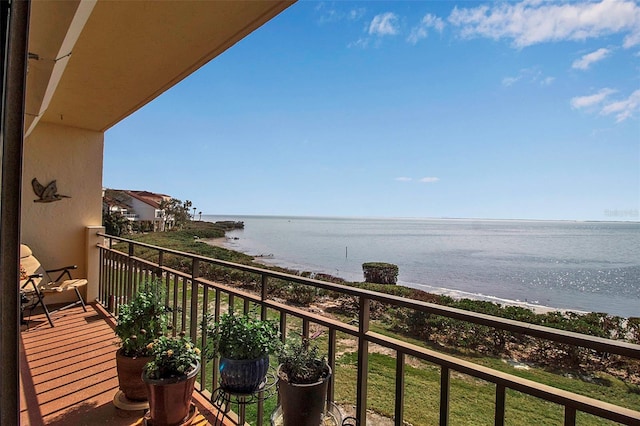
<point>62,269</point>
<point>30,281</point>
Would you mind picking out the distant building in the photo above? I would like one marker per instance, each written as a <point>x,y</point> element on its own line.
<point>113,204</point>
<point>139,206</point>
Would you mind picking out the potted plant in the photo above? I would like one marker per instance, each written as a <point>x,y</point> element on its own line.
<point>170,379</point>
<point>139,322</point>
<point>303,379</point>
<point>243,343</point>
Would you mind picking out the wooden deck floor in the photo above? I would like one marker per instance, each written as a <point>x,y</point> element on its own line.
<point>68,373</point>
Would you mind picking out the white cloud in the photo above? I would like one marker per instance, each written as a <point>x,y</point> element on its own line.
<point>547,81</point>
<point>422,30</point>
<point>356,14</point>
<point>384,24</point>
<point>532,21</point>
<point>381,25</point>
<point>417,34</point>
<point>623,109</point>
<point>528,75</point>
<point>591,100</point>
<point>330,15</point>
<point>590,58</point>
<point>433,21</point>
<point>429,179</point>
<point>510,81</point>
<point>362,43</point>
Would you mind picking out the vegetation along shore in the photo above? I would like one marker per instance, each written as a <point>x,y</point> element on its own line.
<point>602,373</point>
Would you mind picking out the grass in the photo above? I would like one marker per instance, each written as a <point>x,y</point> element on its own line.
<point>190,240</point>
<point>604,387</point>
<point>471,400</point>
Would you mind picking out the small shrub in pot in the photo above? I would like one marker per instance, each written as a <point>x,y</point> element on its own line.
<point>243,342</point>
<point>303,379</point>
<point>170,379</point>
<point>139,322</point>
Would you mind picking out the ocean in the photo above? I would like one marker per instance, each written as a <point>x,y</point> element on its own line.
<point>582,266</point>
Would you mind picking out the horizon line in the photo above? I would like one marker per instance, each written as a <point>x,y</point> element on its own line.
<point>421,218</point>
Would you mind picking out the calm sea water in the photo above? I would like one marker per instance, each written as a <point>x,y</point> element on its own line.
<point>586,266</point>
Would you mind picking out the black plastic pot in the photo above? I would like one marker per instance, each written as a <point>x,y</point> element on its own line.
<point>302,404</point>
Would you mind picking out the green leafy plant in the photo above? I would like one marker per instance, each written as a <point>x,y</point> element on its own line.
<point>115,223</point>
<point>142,320</point>
<point>301,294</point>
<point>302,362</point>
<point>240,336</point>
<point>172,357</point>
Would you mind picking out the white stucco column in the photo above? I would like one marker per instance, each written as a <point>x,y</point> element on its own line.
<point>93,261</point>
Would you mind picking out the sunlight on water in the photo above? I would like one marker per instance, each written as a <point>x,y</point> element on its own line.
<point>590,266</point>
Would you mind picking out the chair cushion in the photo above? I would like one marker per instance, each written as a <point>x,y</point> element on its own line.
<point>25,251</point>
<point>30,264</point>
<point>63,285</point>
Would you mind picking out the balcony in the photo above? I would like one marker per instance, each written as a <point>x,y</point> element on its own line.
<point>57,389</point>
<point>68,373</point>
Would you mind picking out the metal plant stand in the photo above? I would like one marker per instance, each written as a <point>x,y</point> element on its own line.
<point>223,400</point>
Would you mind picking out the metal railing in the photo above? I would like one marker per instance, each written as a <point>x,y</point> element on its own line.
<point>190,296</point>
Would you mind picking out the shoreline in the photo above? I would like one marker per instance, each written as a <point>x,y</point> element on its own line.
<point>216,242</point>
<point>455,294</point>
<point>541,267</point>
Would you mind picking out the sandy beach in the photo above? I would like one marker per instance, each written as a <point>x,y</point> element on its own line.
<point>216,242</point>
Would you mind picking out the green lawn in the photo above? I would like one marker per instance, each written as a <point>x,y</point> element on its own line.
<point>471,400</point>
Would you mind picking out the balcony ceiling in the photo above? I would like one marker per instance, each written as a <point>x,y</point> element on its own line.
<point>92,63</point>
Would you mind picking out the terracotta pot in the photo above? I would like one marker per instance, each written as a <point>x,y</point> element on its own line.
<point>130,376</point>
<point>302,404</point>
<point>170,399</point>
<point>243,376</point>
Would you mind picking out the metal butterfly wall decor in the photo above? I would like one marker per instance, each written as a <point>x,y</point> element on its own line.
<point>46,194</point>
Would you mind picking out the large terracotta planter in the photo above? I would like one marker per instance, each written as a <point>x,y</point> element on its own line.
<point>130,376</point>
<point>170,399</point>
<point>243,376</point>
<point>302,404</point>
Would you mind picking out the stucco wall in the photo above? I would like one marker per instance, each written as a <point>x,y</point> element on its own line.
<point>55,231</point>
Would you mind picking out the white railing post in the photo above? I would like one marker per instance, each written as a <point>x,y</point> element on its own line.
<point>93,261</point>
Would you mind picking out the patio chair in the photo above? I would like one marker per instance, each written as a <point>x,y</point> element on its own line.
<point>35,282</point>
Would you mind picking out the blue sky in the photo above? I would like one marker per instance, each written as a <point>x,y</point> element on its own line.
<point>512,110</point>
